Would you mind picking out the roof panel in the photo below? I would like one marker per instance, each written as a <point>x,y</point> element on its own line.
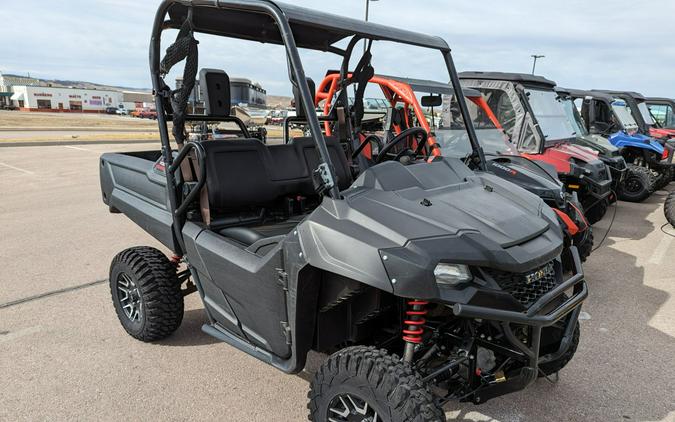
<point>311,28</point>
<point>523,78</point>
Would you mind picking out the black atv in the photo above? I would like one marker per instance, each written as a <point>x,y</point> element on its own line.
<point>298,247</point>
<point>533,117</point>
<point>607,153</point>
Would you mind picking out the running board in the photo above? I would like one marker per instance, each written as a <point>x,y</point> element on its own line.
<point>243,345</point>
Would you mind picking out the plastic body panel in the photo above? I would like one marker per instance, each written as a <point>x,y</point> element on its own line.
<point>131,184</point>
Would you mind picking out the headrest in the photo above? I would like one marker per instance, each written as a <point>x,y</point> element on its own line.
<point>299,109</point>
<point>215,89</point>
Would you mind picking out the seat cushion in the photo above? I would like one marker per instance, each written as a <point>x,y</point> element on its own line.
<point>249,235</point>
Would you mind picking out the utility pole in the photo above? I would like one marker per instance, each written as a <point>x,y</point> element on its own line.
<point>534,63</point>
<point>365,42</point>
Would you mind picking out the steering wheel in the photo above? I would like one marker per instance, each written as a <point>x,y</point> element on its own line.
<point>421,143</point>
<point>365,142</point>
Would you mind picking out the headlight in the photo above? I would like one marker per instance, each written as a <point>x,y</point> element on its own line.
<point>452,274</point>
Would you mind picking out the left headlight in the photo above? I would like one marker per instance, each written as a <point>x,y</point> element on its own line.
<point>452,274</point>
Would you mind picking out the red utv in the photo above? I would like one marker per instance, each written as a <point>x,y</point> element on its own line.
<point>533,117</point>
<point>662,112</point>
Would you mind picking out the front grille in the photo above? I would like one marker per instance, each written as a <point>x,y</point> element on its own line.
<point>526,287</point>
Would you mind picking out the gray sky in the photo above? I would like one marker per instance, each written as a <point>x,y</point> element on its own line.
<point>619,44</point>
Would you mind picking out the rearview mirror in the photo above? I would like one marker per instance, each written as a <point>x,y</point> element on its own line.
<point>432,101</point>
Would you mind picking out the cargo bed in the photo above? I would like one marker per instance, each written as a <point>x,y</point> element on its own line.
<point>133,183</point>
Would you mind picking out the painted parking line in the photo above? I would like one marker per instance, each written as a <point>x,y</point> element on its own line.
<point>16,168</point>
<point>78,148</point>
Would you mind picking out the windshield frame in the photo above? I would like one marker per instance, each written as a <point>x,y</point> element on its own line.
<point>626,119</point>
<point>526,95</point>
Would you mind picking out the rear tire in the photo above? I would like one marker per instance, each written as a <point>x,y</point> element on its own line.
<point>358,381</point>
<point>669,208</point>
<point>637,185</point>
<point>146,293</point>
<point>665,177</point>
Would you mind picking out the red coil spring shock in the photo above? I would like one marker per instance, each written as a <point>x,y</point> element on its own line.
<point>415,321</point>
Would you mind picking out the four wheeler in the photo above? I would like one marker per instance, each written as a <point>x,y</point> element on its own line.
<point>609,116</point>
<point>296,247</point>
<point>669,208</point>
<point>637,105</point>
<point>404,111</point>
<point>662,111</point>
<point>608,153</point>
<point>534,120</point>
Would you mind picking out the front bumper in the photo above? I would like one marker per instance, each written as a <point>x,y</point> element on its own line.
<point>536,317</point>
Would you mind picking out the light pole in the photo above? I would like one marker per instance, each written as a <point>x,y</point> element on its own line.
<point>365,42</point>
<point>534,63</point>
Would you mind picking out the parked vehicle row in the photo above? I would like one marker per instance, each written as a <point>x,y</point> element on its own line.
<point>433,249</point>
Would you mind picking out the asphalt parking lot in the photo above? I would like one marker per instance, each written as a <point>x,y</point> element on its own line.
<point>64,355</point>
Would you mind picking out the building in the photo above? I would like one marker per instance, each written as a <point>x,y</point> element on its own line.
<point>43,98</point>
<point>244,91</point>
<point>7,81</point>
<point>135,100</point>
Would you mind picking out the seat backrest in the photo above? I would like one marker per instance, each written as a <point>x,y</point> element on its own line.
<point>307,149</point>
<point>246,172</point>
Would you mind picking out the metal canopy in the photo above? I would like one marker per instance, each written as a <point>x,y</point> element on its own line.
<point>311,29</point>
<point>636,95</point>
<point>422,85</point>
<point>524,78</point>
<point>581,93</point>
<point>660,100</point>
<point>433,87</point>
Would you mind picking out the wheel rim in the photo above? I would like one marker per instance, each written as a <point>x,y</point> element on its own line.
<point>351,408</point>
<point>130,298</point>
<point>633,185</point>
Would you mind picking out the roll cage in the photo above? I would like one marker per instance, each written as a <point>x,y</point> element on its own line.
<point>268,22</point>
<point>514,85</point>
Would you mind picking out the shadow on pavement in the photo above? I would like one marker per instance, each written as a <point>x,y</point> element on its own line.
<point>190,331</point>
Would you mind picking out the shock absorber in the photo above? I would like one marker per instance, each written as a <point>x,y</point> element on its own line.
<point>413,326</point>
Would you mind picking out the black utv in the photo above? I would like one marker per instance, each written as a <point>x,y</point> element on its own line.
<point>533,117</point>
<point>426,281</point>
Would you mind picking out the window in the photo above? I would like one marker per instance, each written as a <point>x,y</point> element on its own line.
<point>663,114</point>
<point>550,114</point>
<point>44,104</point>
<point>76,105</point>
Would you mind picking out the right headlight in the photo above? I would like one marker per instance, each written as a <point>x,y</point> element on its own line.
<point>452,274</point>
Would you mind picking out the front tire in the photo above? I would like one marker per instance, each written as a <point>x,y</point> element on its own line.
<point>360,382</point>
<point>595,214</point>
<point>669,208</point>
<point>552,367</point>
<point>146,293</point>
<point>637,185</point>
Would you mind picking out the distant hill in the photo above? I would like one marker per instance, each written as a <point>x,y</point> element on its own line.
<point>90,85</point>
<point>278,101</point>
